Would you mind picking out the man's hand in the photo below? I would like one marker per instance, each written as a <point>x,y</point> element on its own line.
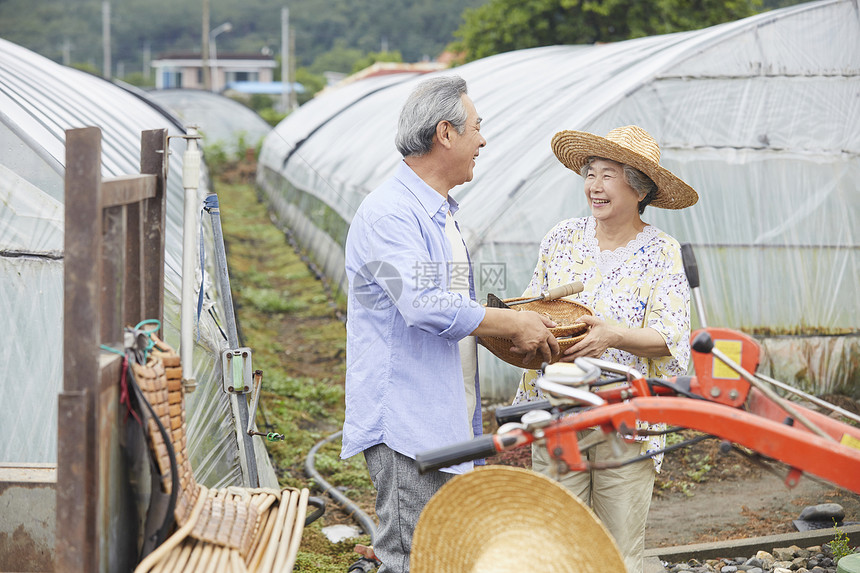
<point>527,330</point>
<point>532,337</point>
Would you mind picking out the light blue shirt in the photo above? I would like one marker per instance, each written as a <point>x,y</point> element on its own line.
<point>404,381</point>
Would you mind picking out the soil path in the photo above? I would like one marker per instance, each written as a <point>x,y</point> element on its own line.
<point>760,504</point>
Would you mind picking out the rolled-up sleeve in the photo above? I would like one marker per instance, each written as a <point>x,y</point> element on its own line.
<point>420,294</point>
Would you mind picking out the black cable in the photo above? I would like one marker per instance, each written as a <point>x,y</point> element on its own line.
<point>169,518</point>
<point>348,505</point>
<point>665,450</point>
<point>674,388</point>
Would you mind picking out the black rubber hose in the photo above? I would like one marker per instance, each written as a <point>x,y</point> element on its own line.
<point>347,504</point>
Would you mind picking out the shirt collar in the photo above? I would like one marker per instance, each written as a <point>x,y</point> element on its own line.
<point>430,199</point>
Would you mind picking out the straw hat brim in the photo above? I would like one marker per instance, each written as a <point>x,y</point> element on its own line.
<point>503,519</point>
<point>573,148</point>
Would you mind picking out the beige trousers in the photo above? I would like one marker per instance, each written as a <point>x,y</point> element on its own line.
<point>620,496</point>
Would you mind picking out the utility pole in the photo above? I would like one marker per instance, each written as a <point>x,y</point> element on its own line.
<point>67,52</point>
<point>147,59</point>
<point>292,68</point>
<point>106,63</point>
<point>285,57</point>
<point>204,60</point>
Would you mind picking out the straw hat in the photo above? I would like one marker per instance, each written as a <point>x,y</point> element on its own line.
<point>500,519</point>
<point>631,145</point>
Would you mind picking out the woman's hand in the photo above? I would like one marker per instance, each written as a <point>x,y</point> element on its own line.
<point>645,342</point>
<point>600,337</point>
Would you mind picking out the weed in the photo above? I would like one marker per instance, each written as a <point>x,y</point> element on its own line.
<point>269,300</point>
<point>840,546</point>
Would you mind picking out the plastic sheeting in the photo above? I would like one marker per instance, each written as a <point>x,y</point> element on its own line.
<point>39,100</point>
<point>220,120</point>
<point>759,115</point>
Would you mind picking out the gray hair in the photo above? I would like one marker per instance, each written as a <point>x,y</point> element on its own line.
<point>432,101</point>
<point>641,183</point>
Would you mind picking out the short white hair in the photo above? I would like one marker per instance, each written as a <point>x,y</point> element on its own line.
<point>432,101</point>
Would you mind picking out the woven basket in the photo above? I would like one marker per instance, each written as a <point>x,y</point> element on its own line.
<point>564,312</point>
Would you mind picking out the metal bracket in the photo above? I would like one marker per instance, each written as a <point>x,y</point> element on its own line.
<point>236,369</point>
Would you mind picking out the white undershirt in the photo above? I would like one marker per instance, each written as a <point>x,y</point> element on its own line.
<point>460,284</point>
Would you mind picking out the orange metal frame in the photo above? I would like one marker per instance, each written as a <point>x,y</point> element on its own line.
<point>761,425</point>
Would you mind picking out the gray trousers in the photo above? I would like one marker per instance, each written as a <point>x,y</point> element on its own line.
<point>401,494</point>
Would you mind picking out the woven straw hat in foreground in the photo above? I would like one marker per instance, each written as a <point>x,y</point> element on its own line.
<point>564,312</point>
<point>631,145</point>
<point>500,519</point>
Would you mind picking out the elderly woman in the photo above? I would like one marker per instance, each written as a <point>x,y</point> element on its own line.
<point>635,283</point>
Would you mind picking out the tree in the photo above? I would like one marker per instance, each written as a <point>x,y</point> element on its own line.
<point>373,57</point>
<point>505,25</point>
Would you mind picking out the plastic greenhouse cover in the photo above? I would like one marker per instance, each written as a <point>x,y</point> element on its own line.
<point>40,100</point>
<point>220,120</point>
<point>758,115</point>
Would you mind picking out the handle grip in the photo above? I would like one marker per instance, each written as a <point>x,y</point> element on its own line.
<point>564,290</point>
<point>703,343</point>
<point>476,449</point>
<point>515,413</point>
<point>691,268</point>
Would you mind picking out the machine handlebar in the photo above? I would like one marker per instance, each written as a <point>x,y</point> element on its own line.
<point>480,447</point>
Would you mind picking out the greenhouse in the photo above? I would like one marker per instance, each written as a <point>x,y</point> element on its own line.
<point>39,100</point>
<point>223,122</point>
<point>758,115</point>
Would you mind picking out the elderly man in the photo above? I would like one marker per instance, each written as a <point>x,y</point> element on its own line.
<point>411,381</point>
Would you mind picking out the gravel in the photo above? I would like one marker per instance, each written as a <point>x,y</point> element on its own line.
<point>817,559</point>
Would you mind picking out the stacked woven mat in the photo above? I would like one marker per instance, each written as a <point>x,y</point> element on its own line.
<point>231,529</point>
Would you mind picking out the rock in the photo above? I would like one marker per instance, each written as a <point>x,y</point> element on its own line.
<point>783,553</point>
<point>766,558</point>
<point>781,570</point>
<point>336,533</point>
<point>823,512</point>
<point>729,569</point>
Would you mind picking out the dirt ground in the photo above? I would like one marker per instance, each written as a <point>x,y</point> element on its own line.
<point>737,509</point>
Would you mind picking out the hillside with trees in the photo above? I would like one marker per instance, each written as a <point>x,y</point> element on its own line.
<point>343,35</point>
<point>336,32</point>
<point>506,25</point>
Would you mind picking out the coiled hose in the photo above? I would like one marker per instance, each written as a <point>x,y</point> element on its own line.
<point>351,509</point>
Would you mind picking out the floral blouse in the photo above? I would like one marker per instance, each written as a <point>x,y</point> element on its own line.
<point>639,285</point>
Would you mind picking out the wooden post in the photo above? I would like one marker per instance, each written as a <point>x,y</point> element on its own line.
<point>76,451</point>
<point>153,160</point>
